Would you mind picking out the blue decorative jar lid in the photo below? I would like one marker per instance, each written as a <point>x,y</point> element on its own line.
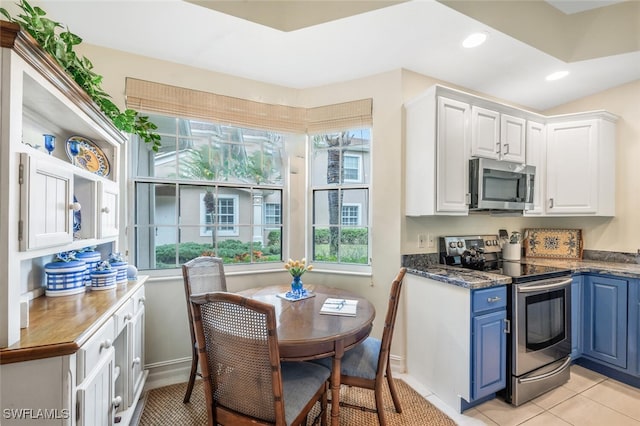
<point>61,266</point>
<point>89,255</point>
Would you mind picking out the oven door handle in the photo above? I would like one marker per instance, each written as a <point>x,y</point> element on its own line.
<point>550,286</point>
<point>546,375</point>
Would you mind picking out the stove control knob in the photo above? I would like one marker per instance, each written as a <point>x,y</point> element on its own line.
<point>488,243</point>
<point>460,244</point>
<point>452,244</point>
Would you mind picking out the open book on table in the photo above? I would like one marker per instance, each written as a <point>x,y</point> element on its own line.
<point>345,307</point>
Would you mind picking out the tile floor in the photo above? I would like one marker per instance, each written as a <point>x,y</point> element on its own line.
<point>587,399</point>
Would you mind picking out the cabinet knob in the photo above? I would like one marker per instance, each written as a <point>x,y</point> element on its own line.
<point>142,300</point>
<point>493,299</point>
<point>136,361</point>
<point>106,344</point>
<point>128,317</point>
<point>75,206</point>
<point>106,210</point>
<point>116,402</point>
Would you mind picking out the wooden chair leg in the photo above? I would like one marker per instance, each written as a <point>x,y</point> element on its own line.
<point>192,377</point>
<point>380,405</point>
<point>392,389</point>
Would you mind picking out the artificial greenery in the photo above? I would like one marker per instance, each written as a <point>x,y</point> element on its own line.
<point>61,47</point>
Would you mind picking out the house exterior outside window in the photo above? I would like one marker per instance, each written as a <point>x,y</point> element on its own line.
<point>340,203</point>
<point>203,194</point>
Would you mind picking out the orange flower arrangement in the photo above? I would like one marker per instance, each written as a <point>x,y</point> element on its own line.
<point>297,267</point>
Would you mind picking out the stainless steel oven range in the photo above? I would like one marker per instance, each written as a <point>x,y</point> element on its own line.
<point>538,310</point>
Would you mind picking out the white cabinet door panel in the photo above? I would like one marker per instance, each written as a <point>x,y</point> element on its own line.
<point>572,167</point>
<point>108,209</point>
<point>452,156</point>
<point>45,200</point>
<point>536,156</point>
<point>485,133</point>
<point>512,138</point>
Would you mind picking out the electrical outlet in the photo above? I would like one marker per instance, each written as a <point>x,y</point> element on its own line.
<point>431,243</point>
<point>421,240</point>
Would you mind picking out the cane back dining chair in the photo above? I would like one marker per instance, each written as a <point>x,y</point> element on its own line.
<point>203,274</point>
<point>367,364</point>
<point>245,382</point>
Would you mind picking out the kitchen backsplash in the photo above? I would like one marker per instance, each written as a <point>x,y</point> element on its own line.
<point>611,256</point>
<point>423,260</point>
<point>420,261</point>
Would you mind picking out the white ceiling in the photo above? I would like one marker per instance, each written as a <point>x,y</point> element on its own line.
<point>422,36</point>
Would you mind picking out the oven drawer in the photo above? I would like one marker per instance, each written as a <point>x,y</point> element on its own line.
<point>488,299</point>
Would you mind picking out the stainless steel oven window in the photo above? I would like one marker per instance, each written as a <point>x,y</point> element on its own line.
<point>545,319</point>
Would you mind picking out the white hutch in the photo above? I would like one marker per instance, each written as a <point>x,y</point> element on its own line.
<point>74,359</point>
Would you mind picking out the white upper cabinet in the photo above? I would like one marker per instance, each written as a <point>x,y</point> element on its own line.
<point>50,183</point>
<point>47,187</point>
<point>512,138</point>
<point>574,154</point>
<point>452,157</point>
<point>42,190</point>
<point>497,136</point>
<point>536,156</point>
<point>108,209</point>
<point>581,165</point>
<point>485,133</point>
<point>437,131</point>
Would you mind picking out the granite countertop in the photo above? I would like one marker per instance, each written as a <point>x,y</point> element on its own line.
<point>461,277</point>
<point>425,267</point>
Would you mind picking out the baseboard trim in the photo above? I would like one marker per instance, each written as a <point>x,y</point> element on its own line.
<point>398,364</point>
<point>167,373</point>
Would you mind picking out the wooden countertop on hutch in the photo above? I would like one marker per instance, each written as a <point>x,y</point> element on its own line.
<point>60,325</point>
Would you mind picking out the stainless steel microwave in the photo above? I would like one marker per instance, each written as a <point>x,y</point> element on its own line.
<point>500,185</point>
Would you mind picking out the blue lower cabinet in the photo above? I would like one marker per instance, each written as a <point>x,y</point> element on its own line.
<point>605,319</point>
<point>576,316</point>
<point>488,341</point>
<point>489,367</point>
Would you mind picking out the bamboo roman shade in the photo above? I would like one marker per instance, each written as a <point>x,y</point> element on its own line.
<point>160,98</point>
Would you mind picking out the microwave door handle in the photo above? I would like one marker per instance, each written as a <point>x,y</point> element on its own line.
<point>530,185</point>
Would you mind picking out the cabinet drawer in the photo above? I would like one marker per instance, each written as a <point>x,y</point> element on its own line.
<point>96,347</point>
<point>122,315</point>
<point>488,299</point>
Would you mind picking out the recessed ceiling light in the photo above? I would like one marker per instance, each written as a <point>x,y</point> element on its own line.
<point>474,40</point>
<point>557,75</point>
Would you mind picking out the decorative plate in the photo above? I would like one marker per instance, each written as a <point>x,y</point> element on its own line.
<point>553,243</point>
<point>90,157</point>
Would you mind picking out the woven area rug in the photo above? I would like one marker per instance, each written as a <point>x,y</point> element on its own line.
<point>163,406</point>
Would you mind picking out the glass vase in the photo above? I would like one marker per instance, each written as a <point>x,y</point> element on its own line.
<point>296,286</point>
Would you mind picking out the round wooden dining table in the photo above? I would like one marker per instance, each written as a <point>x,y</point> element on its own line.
<point>305,334</point>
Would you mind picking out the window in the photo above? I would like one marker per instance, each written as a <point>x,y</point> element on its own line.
<point>352,167</point>
<point>340,175</point>
<point>225,215</point>
<point>217,183</point>
<point>211,189</point>
<point>351,214</point>
<point>272,214</point>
